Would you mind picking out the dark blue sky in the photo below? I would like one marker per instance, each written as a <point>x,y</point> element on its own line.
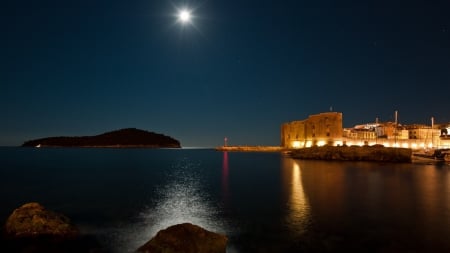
<point>240,70</point>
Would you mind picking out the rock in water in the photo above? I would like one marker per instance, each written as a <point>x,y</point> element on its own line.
<point>185,238</point>
<point>33,229</point>
<point>32,219</point>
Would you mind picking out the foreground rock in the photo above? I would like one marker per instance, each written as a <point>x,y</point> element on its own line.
<point>31,228</point>
<point>185,238</point>
<point>33,219</point>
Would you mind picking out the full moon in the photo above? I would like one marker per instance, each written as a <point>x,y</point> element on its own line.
<point>184,16</point>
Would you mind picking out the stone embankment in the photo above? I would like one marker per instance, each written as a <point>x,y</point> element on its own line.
<point>353,153</point>
<point>251,148</point>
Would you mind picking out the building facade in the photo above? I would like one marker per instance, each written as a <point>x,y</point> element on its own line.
<point>326,129</point>
<point>319,129</point>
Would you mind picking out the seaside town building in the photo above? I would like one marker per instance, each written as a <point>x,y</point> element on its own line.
<point>326,129</point>
<point>319,129</point>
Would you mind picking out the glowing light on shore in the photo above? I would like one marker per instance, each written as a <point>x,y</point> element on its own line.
<point>308,144</point>
<point>321,143</point>
<point>338,143</point>
<point>296,144</point>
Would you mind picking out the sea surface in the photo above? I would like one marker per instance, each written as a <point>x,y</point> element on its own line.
<point>263,202</point>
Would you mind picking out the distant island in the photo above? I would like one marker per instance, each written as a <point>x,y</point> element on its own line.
<point>123,138</point>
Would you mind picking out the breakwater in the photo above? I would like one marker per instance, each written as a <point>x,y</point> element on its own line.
<point>353,153</point>
<point>251,148</point>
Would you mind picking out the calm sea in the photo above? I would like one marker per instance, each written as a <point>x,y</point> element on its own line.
<point>264,202</point>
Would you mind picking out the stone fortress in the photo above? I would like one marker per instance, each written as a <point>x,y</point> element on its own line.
<point>326,129</point>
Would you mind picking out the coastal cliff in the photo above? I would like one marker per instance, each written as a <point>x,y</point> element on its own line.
<point>123,138</point>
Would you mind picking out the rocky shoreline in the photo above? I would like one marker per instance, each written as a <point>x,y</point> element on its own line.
<point>353,153</point>
<point>337,153</point>
<point>32,228</point>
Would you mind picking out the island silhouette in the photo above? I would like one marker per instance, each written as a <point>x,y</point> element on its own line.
<point>123,138</point>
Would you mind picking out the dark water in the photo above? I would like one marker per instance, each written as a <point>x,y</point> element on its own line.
<point>264,202</point>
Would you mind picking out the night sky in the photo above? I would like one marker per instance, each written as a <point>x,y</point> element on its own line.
<point>240,68</point>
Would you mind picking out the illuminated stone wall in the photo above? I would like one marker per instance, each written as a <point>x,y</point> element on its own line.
<point>318,129</point>
<point>293,132</point>
<point>326,128</point>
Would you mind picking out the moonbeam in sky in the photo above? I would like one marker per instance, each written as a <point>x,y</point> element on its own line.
<point>184,16</point>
